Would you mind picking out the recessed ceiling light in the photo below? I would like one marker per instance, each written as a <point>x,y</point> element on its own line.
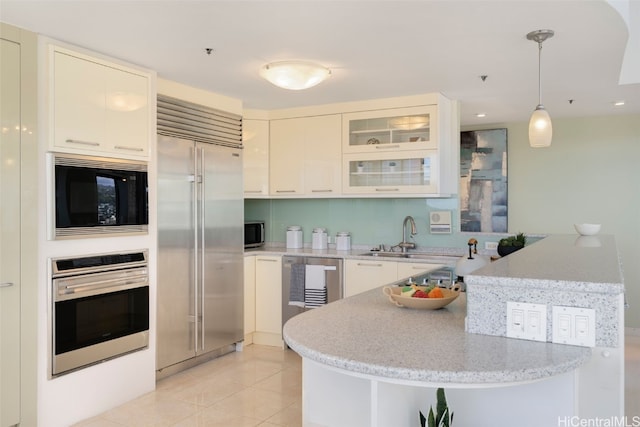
<point>481,115</point>
<point>618,103</point>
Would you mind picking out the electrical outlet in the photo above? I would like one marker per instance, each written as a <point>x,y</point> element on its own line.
<point>492,246</point>
<point>574,325</point>
<point>527,321</point>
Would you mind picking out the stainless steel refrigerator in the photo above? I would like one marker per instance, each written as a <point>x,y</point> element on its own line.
<point>200,250</point>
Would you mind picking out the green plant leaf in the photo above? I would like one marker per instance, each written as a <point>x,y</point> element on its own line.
<point>431,419</point>
<point>423,420</point>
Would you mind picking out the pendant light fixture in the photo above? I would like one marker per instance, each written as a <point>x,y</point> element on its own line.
<point>294,75</point>
<point>540,129</point>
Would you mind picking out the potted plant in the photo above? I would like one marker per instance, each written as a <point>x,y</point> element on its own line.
<point>511,244</point>
<point>442,417</point>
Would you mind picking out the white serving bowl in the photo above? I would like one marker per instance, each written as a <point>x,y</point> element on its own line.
<point>587,229</point>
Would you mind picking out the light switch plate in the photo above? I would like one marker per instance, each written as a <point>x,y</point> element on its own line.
<point>574,326</point>
<point>440,222</point>
<point>527,321</point>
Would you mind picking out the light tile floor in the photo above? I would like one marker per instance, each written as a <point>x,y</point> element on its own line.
<point>260,386</point>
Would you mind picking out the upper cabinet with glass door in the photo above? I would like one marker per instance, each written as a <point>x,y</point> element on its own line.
<point>398,129</point>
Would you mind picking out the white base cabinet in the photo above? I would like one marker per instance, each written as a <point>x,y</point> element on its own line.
<point>360,276</point>
<point>334,397</point>
<point>249,298</point>
<point>364,275</point>
<point>268,275</point>
<point>412,269</point>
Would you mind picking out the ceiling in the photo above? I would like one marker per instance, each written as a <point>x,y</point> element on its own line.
<point>375,49</point>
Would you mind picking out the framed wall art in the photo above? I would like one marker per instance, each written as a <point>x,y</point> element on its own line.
<point>483,181</point>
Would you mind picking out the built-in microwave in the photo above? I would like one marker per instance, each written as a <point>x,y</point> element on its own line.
<point>253,234</point>
<point>94,196</point>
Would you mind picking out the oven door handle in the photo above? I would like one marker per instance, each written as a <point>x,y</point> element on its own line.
<point>64,292</point>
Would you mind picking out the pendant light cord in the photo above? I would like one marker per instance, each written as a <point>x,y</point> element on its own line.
<point>539,73</point>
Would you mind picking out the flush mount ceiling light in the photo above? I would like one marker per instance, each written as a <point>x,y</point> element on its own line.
<point>540,129</point>
<point>295,75</point>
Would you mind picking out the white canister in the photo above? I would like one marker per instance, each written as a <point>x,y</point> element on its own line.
<point>294,237</point>
<point>343,241</point>
<point>319,238</point>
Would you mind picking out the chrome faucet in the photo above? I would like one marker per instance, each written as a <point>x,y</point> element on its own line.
<point>404,245</point>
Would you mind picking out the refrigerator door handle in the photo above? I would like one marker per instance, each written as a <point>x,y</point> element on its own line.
<point>201,253</point>
<point>196,260</point>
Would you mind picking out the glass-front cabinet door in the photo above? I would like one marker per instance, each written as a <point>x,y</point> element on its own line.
<point>412,128</point>
<point>406,172</point>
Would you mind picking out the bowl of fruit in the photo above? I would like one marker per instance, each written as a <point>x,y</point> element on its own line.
<point>423,297</point>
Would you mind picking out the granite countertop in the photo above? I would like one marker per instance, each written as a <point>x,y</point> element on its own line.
<point>447,256</point>
<point>366,334</point>
<point>558,262</point>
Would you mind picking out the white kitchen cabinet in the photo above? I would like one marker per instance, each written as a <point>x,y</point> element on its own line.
<point>361,275</point>
<point>268,274</point>
<point>405,152</point>
<point>305,156</point>
<point>413,269</point>
<point>98,107</point>
<point>249,298</point>
<point>10,228</point>
<point>400,172</point>
<point>410,128</point>
<point>255,140</point>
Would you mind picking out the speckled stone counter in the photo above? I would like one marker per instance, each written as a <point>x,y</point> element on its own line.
<point>366,334</point>
<point>559,270</point>
<point>446,256</point>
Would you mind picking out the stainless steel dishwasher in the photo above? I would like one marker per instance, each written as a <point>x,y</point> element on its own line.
<point>333,280</point>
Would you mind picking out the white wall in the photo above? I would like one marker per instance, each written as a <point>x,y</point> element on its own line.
<point>591,173</point>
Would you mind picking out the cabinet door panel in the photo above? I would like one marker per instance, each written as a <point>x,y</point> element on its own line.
<point>127,111</point>
<point>323,154</point>
<point>286,160</point>
<point>255,139</point>
<point>78,103</point>
<point>249,294</point>
<point>411,128</point>
<point>362,276</point>
<point>269,294</point>
<point>10,218</point>
<point>410,269</point>
<point>405,172</point>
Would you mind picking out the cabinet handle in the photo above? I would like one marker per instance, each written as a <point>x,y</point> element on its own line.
<point>285,191</point>
<point>387,146</point>
<point>6,285</point>
<point>322,191</point>
<point>253,191</point>
<point>387,189</point>
<point>124,147</point>
<point>364,264</point>
<point>77,141</point>
<point>266,259</point>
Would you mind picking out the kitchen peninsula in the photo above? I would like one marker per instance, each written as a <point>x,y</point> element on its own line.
<point>367,362</point>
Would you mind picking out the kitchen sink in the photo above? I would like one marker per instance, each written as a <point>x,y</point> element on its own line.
<point>412,255</point>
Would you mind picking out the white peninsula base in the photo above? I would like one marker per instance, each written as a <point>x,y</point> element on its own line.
<point>333,397</point>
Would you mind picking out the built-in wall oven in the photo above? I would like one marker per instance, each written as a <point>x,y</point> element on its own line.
<point>100,308</point>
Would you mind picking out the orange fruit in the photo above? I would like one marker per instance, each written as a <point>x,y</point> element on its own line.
<point>436,293</point>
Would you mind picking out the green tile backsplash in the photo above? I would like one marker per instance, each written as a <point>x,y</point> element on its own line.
<point>370,221</point>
